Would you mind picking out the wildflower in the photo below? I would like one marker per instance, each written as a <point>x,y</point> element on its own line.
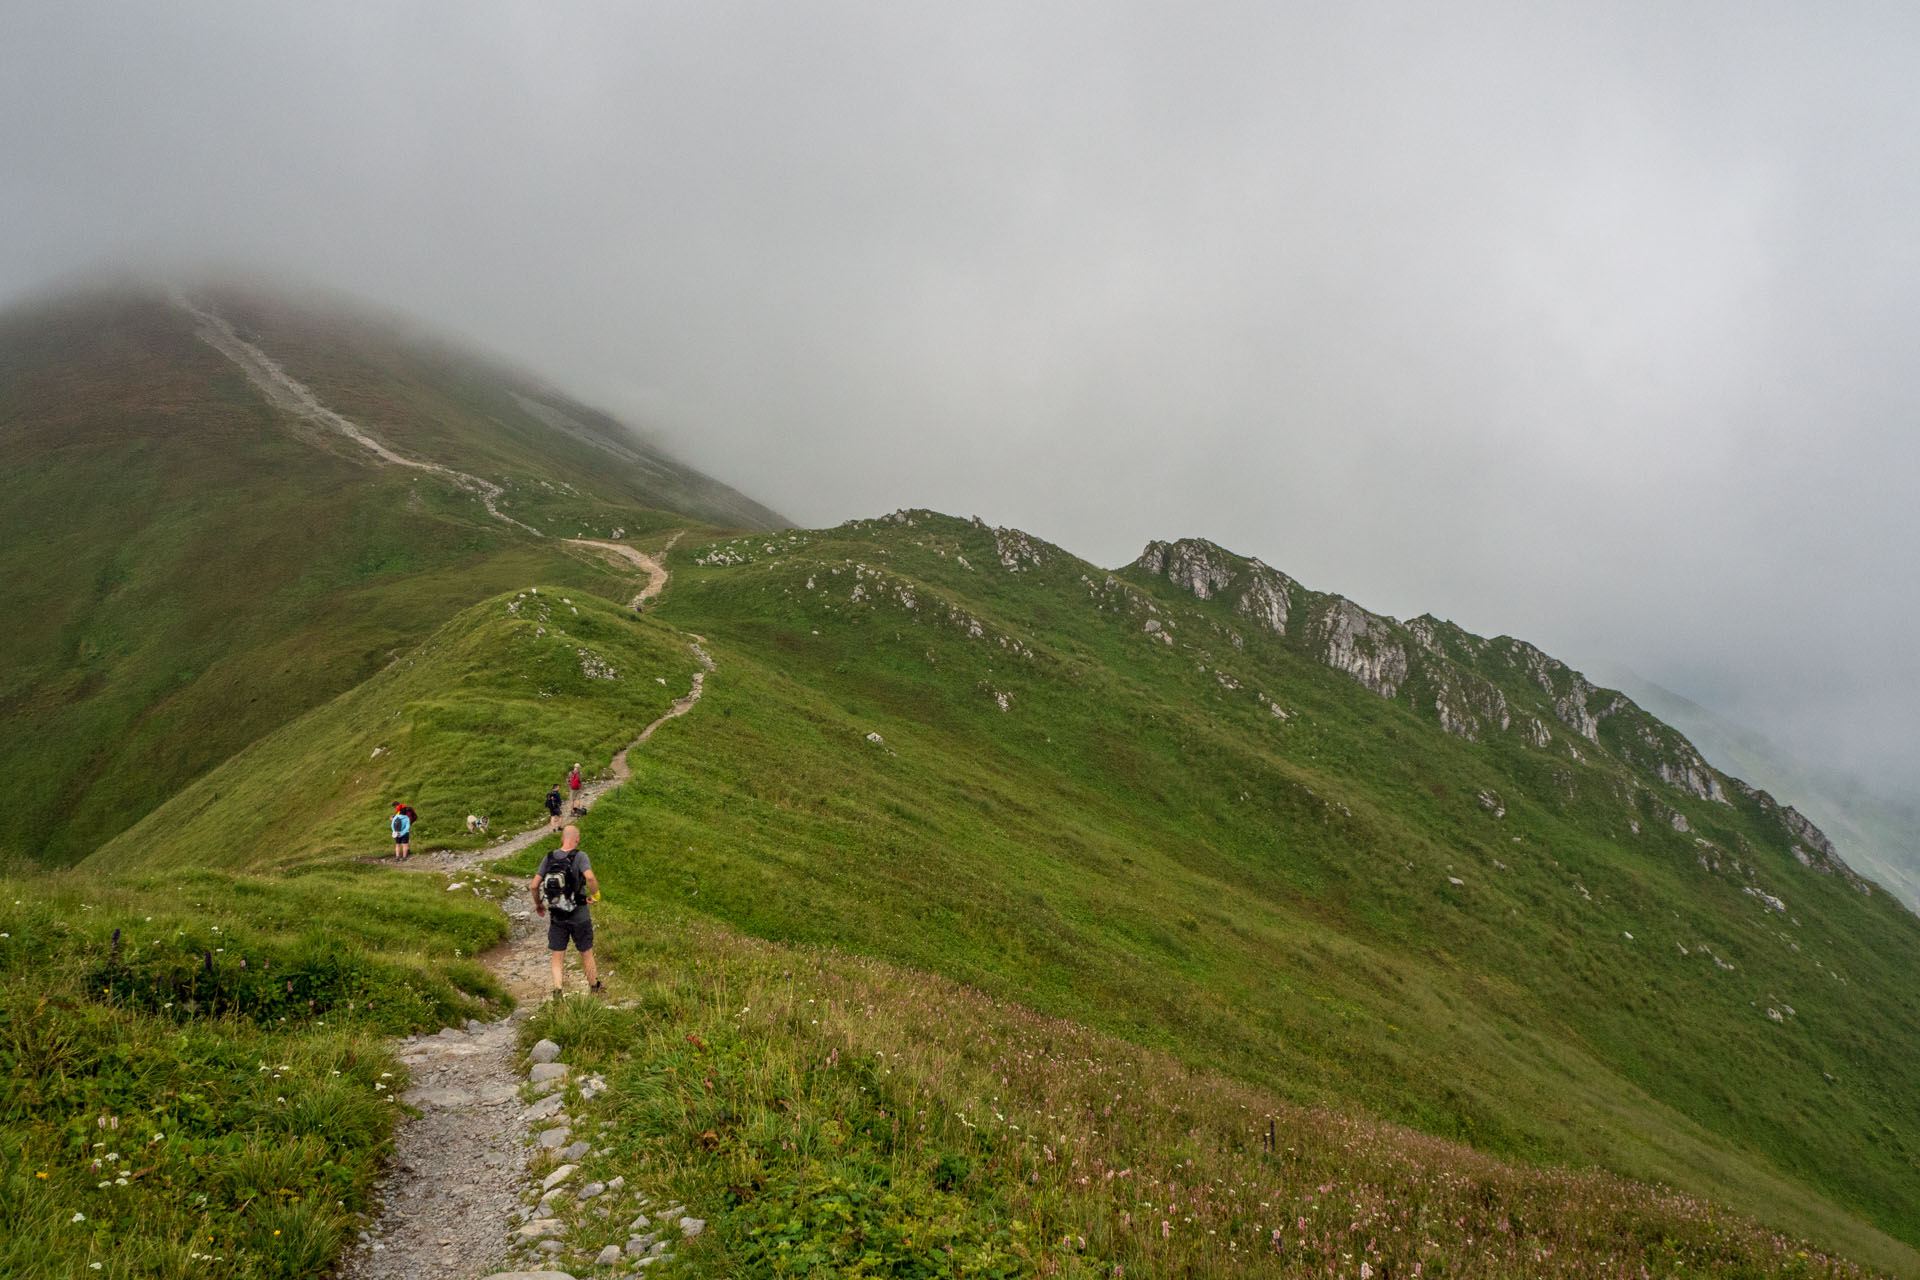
<point>1166,1229</point>
<point>78,1217</point>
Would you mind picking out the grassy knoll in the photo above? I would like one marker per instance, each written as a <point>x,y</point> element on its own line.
<point>194,1078</point>
<point>482,718</point>
<point>833,1115</point>
<point>1139,844</point>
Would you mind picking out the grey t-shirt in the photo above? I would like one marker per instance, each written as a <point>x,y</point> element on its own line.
<point>582,863</point>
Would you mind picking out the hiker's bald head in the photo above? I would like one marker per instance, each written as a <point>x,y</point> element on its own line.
<point>570,837</point>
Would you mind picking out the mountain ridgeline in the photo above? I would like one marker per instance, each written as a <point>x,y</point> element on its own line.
<point>277,565</point>
<point>1478,689</point>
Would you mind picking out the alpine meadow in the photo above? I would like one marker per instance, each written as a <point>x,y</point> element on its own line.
<point>969,909</point>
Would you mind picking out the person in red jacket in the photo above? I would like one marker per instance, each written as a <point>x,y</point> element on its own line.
<point>573,785</point>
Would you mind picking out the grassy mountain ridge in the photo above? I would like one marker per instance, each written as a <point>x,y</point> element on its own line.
<point>1333,859</point>
<point>482,717</point>
<point>1238,854</point>
<point>190,566</point>
<point>1347,902</point>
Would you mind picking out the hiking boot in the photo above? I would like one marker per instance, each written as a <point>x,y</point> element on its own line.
<point>598,989</point>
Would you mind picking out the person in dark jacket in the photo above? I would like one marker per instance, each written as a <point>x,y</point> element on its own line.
<point>562,889</point>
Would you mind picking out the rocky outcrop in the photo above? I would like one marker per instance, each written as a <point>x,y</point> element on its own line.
<point>1467,705</point>
<point>1363,645</point>
<point>1016,550</point>
<point>1566,689</point>
<point>1811,848</point>
<point>1260,594</point>
<point>1478,687</point>
<point>1265,600</point>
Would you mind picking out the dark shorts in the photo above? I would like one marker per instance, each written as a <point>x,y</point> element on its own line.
<point>578,927</point>
<point>406,839</point>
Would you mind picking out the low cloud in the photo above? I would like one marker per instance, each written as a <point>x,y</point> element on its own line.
<point>1592,327</point>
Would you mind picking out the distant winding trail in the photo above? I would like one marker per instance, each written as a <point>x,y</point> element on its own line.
<point>656,571</point>
<point>297,398</point>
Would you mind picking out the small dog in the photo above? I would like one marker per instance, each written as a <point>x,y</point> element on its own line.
<point>475,824</point>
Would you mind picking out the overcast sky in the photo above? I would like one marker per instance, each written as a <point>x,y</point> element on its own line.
<point>1595,324</point>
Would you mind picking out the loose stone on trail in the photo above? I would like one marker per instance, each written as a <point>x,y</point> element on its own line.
<point>544,1051</point>
<point>547,1106</point>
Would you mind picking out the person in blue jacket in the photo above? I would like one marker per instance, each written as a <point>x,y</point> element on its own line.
<point>402,827</point>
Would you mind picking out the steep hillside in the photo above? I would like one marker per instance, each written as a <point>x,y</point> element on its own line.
<point>191,562</point>
<point>1879,835</point>
<point>1353,860</point>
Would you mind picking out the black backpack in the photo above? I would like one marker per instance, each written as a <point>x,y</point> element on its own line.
<point>563,887</point>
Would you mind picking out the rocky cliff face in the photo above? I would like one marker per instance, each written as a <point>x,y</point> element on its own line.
<point>1364,645</point>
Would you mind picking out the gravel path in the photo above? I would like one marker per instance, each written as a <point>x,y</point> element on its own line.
<point>450,1204</point>
<point>453,1187</point>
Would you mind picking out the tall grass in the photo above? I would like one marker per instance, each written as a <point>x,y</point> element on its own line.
<point>194,1075</point>
<point>838,1115</point>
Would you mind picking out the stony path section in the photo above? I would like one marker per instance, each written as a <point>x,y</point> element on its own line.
<point>455,1178</point>
<point>655,571</point>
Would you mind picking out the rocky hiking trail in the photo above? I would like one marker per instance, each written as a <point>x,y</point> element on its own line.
<point>452,1199</point>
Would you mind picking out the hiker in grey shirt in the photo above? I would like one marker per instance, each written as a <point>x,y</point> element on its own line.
<point>562,889</point>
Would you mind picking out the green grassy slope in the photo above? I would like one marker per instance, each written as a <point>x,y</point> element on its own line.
<point>195,1077</point>
<point>188,568</point>
<point>483,717</point>
<point>834,1115</point>
<point>1138,841</point>
<point>1065,809</point>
